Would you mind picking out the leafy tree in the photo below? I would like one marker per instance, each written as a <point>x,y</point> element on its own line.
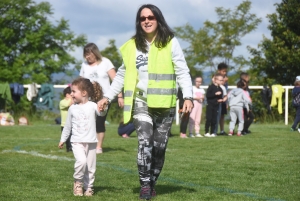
<point>215,42</point>
<point>112,53</point>
<point>278,58</point>
<point>31,47</point>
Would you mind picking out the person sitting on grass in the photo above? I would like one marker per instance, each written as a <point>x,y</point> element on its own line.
<point>125,130</point>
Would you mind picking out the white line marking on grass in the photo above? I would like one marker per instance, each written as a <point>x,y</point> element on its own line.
<point>170,180</point>
<point>34,153</point>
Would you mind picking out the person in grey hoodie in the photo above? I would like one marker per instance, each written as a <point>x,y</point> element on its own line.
<point>237,99</point>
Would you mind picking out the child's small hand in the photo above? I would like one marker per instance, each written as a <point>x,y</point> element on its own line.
<point>61,145</point>
<point>218,93</point>
<point>220,100</point>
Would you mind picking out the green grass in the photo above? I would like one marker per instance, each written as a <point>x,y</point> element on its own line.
<point>264,165</point>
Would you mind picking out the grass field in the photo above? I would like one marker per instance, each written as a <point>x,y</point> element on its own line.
<point>264,165</point>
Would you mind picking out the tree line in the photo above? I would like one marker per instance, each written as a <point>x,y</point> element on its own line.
<point>32,47</point>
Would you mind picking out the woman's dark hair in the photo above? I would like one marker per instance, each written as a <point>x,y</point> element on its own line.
<point>164,32</point>
<point>92,48</point>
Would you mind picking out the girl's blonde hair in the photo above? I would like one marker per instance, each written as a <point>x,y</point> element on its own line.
<point>94,90</point>
<point>92,48</point>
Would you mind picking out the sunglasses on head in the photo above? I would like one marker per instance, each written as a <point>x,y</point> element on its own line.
<point>150,18</point>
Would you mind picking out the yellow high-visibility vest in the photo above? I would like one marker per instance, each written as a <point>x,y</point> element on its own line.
<point>161,91</point>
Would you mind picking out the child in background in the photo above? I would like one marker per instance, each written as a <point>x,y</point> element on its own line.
<point>248,115</point>
<point>222,109</point>
<point>64,105</point>
<point>214,96</point>
<point>296,103</point>
<point>81,122</point>
<point>195,116</point>
<point>237,100</point>
<point>222,69</point>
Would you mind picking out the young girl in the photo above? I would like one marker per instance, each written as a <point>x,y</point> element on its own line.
<point>296,95</point>
<point>195,116</point>
<point>237,99</point>
<point>80,122</point>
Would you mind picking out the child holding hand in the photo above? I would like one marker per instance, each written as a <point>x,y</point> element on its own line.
<point>81,122</point>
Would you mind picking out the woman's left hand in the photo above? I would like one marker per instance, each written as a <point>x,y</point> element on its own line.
<point>121,102</point>
<point>187,106</point>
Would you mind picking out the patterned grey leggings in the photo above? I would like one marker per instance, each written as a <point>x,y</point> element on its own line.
<point>152,127</point>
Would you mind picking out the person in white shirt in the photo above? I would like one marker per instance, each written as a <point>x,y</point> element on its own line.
<point>100,69</point>
<point>80,122</point>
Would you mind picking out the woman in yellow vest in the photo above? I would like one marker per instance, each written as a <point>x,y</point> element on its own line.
<point>152,61</point>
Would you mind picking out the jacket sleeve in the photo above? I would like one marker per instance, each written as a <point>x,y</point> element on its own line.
<point>181,69</point>
<point>117,84</point>
<point>210,93</point>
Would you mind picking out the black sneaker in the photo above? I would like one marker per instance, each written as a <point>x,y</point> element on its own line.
<point>153,192</point>
<point>145,193</point>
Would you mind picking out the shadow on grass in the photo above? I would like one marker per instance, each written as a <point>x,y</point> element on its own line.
<point>99,189</point>
<point>168,189</point>
<point>109,149</point>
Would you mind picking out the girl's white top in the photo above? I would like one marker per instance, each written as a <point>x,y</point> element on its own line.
<point>81,122</point>
<point>98,73</point>
<point>181,70</point>
<point>197,92</point>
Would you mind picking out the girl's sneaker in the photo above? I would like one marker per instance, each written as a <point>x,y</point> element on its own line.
<point>239,134</point>
<point>198,135</point>
<point>183,135</point>
<point>230,133</point>
<point>77,189</point>
<point>89,192</point>
<point>191,135</point>
<point>207,135</point>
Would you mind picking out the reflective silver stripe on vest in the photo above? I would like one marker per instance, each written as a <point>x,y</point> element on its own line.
<point>127,108</point>
<point>128,93</point>
<point>153,76</point>
<point>159,91</point>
